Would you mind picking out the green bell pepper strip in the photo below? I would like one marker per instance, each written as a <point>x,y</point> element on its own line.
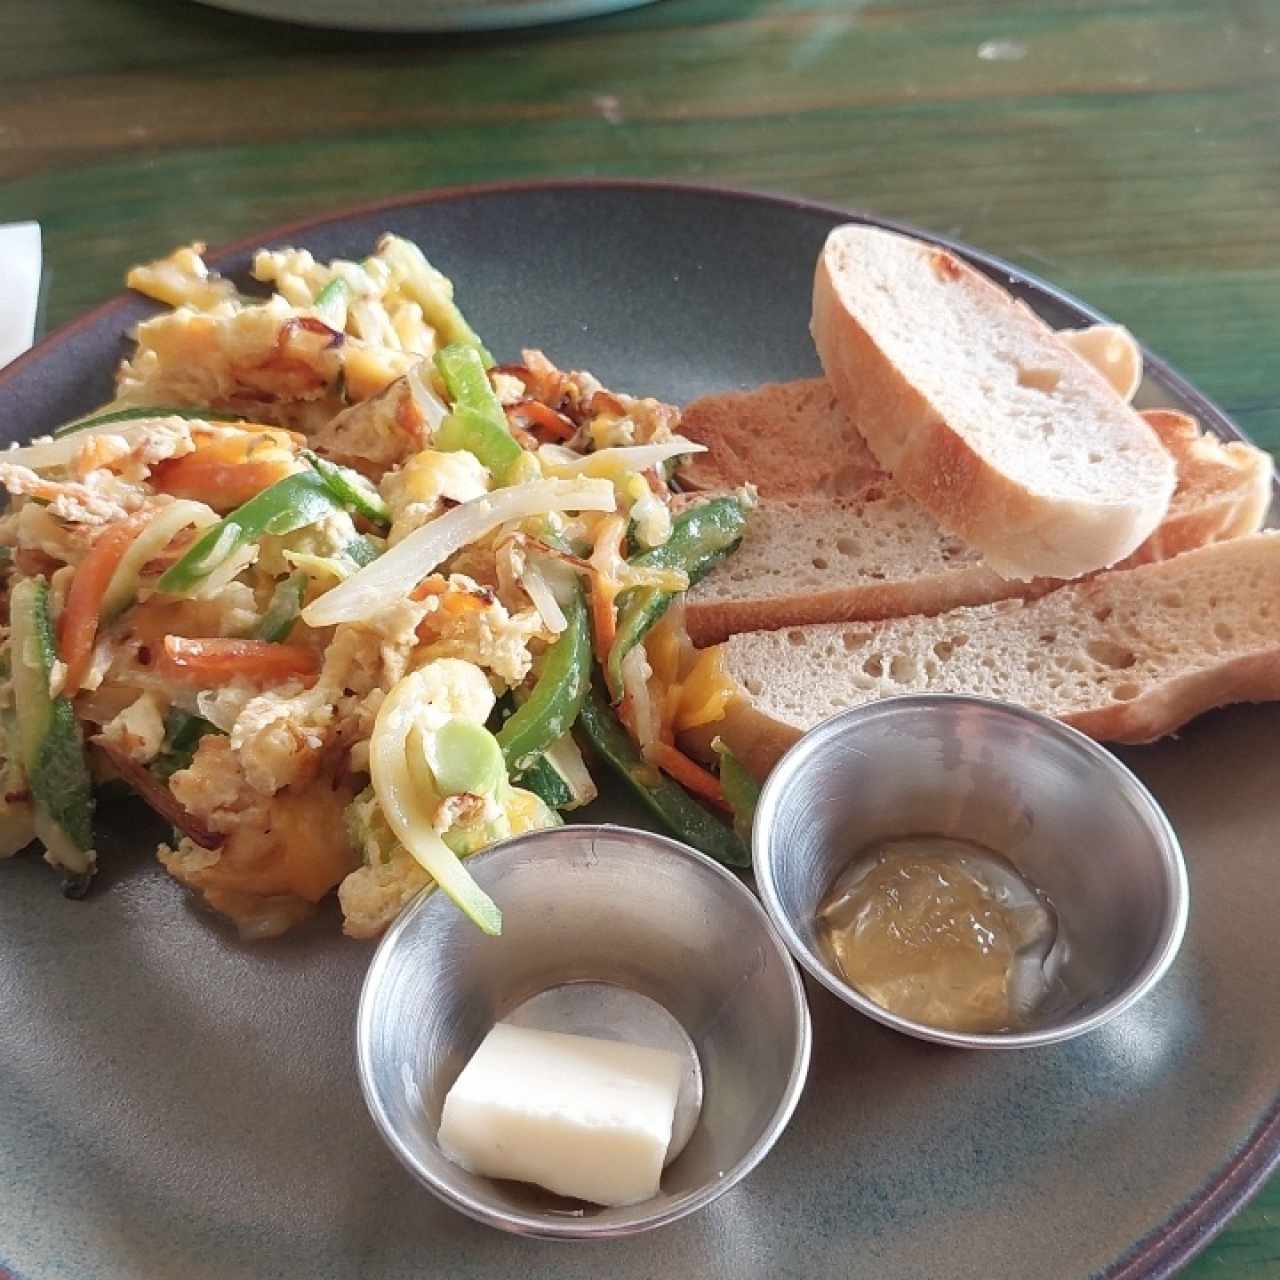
<point>182,734</point>
<point>551,709</point>
<point>683,816</point>
<point>351,489</point>
<point>292,503</point>
<point>700,538</point>
<point>147,411</point>
<point>50,742</point>
<point>283,610</point>
<point>741,790</point>
<point>477,422</point>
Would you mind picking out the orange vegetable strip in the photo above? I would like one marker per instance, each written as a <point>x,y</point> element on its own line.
<point>78,624</point>
<point>688,773</point>
<point>217,660</point>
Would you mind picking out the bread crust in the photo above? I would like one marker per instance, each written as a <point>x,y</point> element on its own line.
<point>1231,653</point>
<point>1022,533</point>
<point>760,740</point>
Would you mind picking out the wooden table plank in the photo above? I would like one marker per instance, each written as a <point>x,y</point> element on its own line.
<point>1125,149</point>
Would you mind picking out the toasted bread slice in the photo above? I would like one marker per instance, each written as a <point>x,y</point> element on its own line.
<point>787,439</point>
<point>1126,656</point>
<point>874,553</point>
<point>988,419</point>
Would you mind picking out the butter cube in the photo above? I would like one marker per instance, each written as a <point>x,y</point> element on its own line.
<point>582,1117</point>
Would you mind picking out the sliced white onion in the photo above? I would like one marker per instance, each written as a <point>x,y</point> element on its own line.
<point>58,452</point>
<point>168,522</point>
<point>544,600</point>
<point>434,410</point>
<point>645,720</point>
<point>396,572</point>
<point>609,462</point>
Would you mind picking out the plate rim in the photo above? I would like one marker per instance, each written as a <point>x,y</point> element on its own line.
<point>1172,1243</point>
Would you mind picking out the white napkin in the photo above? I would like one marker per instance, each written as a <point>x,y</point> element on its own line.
<point>19,287</point>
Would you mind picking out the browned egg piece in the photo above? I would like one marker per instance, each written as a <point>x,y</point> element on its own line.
<point>943,932</point>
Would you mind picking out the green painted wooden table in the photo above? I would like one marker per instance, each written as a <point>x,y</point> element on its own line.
<point>1128,150</point>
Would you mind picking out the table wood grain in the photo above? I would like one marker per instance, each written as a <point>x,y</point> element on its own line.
<point>1128,150</point>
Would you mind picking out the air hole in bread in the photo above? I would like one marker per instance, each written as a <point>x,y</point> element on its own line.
<point>902,669</point>
<point>1043,380</point>
<point>1048,637</point>
<point>960,639</point>
<point>855,639</point>
<point>754,686</point>
<point>796,638</point>
<point>943,649</point>
<point>846,546</point>
<point>950,548</point>
<point>1110,654</point>
<point>1095,457</point>
<point>874,666</point>
<point>819,562</point>
<point>1224,631</point>
<point>1125,692</point>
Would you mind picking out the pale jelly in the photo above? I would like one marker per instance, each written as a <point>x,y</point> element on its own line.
<point>582,1117</point>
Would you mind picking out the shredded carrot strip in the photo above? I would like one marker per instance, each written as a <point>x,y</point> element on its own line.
<point>225,471</point>
<point>222,485</point>
<point>215,661</point>
<point>688,773</point>
<point>78,624</point>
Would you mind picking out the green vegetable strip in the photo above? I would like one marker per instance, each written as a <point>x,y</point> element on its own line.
<point>332,302</point>
<point>361,551</point>
<point>545,782</point>
<point>350,488</point>
<point>551,709</point>
<point>740,790</point>
<point>477,422</point>
<point>292,503</point>
<point>182,734</point>
<point>431,290</point>
<point>147,411</point>
<point>700,538</point>
<point>286,604</point>
<point>679,812</point>
<point>52,747</point>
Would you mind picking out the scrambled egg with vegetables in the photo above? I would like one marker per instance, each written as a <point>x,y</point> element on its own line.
<point>332,593</point>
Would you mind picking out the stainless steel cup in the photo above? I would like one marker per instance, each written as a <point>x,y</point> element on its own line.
<point>599,905</point>
<point>1066,812</point>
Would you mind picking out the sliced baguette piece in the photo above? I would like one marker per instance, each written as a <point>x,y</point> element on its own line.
<point>1007,436</point>
<point>1127,656</point>
<point>875,553</point>
<point>787,439</point>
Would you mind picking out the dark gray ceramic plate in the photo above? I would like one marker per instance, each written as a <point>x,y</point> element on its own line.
<point>173,1103</point>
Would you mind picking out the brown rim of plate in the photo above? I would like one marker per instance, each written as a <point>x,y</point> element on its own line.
<point>1194,1224</point>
